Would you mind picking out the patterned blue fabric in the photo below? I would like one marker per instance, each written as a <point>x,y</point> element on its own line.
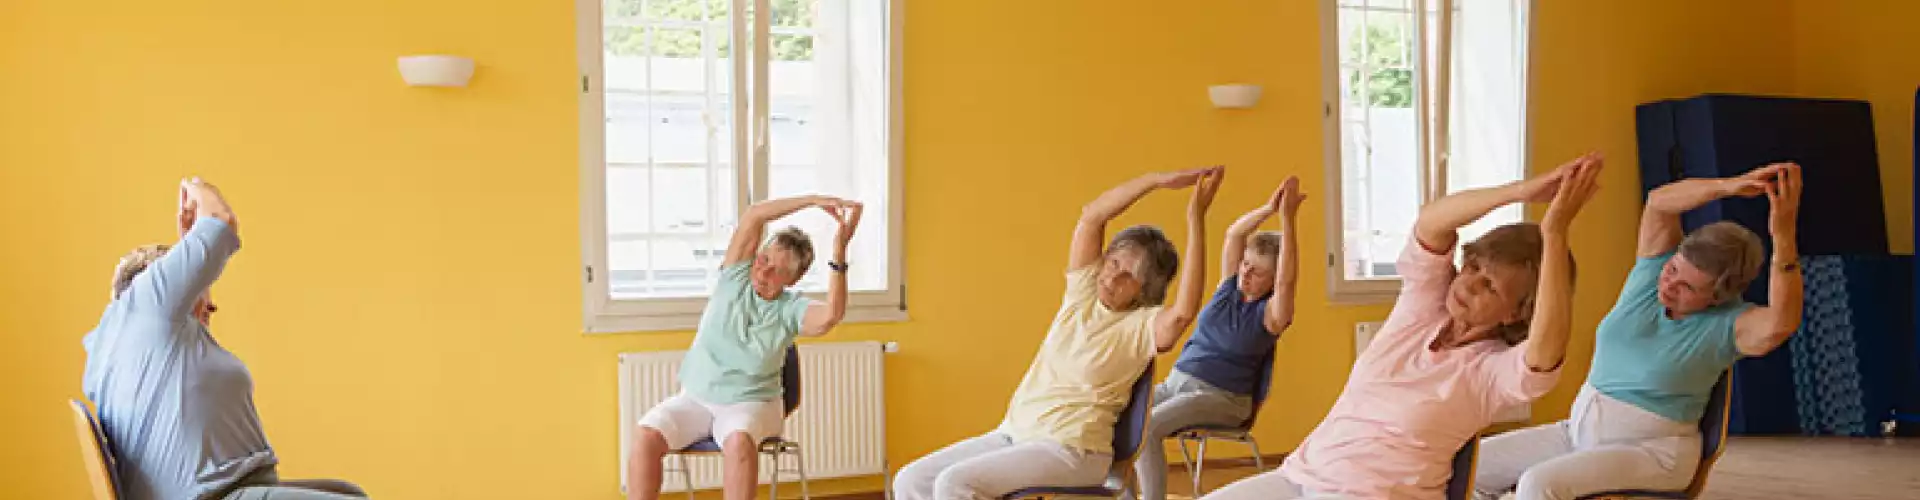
<point>1826,371</point>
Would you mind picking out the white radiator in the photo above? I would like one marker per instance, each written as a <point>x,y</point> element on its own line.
<point>840,425</point>
<point>1363,334</point>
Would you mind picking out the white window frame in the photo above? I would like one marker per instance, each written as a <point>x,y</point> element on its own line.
<point>603,313</point>
<point>1432,141</point>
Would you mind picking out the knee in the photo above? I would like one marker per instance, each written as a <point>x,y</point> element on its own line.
<point>913,483</point>
<point>1535,485</point>
<point>739,446</point>
<point>954,484</point>
<point>649,443</point>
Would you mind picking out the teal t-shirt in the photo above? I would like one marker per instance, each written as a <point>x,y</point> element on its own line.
<point>742,341</point>
<point>1656,363</point>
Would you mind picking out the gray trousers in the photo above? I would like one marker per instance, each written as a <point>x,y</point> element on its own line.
<point>1270,485</point>
<point>1606,445</point>
<point>266,484</point>
<point>990,466</point>
<point>1182,401</point>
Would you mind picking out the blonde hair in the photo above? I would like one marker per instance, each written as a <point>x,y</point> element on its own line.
<point>1519,245</point>
<point>132,264</point>
<point>1727,251</point>
<point>1265,243</point>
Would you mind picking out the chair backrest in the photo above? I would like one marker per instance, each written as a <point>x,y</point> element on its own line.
<point>790,379</point>
<point>93,452</point>
<point>1130,430</point>
<point>1460,486</point>
<point>1260,388</point>
<point>1713,431</point>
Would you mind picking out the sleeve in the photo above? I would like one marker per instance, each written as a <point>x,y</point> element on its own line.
<point>1513,382</point>
<point>1082,284</point>
<point>1722,341</point>
<point>175,280</point>
<point>796,311</point>
<point>1424,275</point>
<point>1645,276</point>
<point>733,277</point>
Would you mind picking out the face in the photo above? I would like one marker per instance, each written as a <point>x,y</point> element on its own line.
<point>203,309</point>
<point>1255,274</point>
<point>1119,286</point>
<point>774,269</point>
<point>1685,289</point>
<point>1485,294</point>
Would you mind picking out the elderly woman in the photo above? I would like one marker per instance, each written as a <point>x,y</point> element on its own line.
<point>1678,324</point>
<point>176,406</point>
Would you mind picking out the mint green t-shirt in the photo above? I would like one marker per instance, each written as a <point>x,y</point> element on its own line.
<point>1656,363</point>
<point>742,342</point>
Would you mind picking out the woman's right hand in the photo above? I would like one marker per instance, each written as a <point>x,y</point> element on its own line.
<point>201,199</point>
<point>1575,188</point>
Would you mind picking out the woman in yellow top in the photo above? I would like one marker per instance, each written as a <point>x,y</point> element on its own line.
<point>1058,430</point>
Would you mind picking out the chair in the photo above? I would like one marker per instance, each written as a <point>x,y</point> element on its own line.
<point>1465,465</point>
<point>772,447</point>
<point>94,452</point>
<point>1129,433</point>
<point>1713,439</point>
<point>1241,433</point>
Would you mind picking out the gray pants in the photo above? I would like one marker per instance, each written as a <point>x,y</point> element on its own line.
<point>990,466</point>
<point>266,484</point>
<point>1182,401</point>
<point>1607,445</point>
<point>1270,485</point>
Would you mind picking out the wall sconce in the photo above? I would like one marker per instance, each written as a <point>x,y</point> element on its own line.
<point>436,70</point>
<point>1234,96</point>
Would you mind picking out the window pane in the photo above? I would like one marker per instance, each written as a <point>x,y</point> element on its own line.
<point>828,127</point>
<point>794,13</point>
<point>1379,139</point>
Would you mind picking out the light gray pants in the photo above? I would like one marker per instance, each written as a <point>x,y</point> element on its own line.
<point>1270,485</point>
<point>1182,401</point>
<point>990,466</point>
<point>266,484</point>
<point>1606,445</point>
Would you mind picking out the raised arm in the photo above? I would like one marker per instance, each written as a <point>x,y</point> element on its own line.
<point>208,237</point>
<point>1761,329</point>
<point>821,317</point>
<point>753,224</point>
<point>1091,232</point>
<point>1438,227</point>
<point>1660,222</point>
<point>1546,344</point>
<point>1169,323</point>
<point>1286,270</point>
<point>1235,247</point>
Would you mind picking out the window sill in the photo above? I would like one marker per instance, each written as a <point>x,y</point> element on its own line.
<point>639,323</point>
<point>1363,298</point>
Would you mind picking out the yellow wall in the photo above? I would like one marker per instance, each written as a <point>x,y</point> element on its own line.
<point>1870,50</point>
<point>408,295</point>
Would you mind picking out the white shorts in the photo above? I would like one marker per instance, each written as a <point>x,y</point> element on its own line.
<point>684,419</point>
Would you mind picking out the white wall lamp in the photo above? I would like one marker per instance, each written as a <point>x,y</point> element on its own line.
<point>436,70</point>
<point>1234,95</point>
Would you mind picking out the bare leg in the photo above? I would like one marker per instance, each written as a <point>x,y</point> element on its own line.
<point>643,464</point>
<point>742,470</point>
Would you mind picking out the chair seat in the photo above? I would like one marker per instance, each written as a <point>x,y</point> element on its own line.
<point>1212,429</point>
<point>1071,491</point>
<point>1626,494</point>
<point>708,445</point>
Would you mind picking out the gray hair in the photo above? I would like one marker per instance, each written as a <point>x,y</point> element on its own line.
<point>1158,261</point>
<point>132,264</point>
<point>797,243</point>
<point>1727,251</point>
<point>1265,243</point>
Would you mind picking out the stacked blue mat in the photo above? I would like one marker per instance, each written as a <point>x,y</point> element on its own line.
<point>1852,361</point>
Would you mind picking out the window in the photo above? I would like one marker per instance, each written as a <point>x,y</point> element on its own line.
<point>682,128</point>
<point>1423,98</point>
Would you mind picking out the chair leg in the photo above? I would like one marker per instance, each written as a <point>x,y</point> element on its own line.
<point>801,458</point>
<point>686,475</point>
<point>773,487</point>
<point>1259,464</point>
<point>1192,473</point>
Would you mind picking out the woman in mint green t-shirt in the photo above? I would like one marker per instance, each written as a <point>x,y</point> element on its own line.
<point>1678,324</point>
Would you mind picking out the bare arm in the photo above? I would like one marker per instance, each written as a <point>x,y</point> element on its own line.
<point>1235,247</point>
<point>1170,323</point>
<point>1091,232</point>
<point>1660,222</point>
<point>753,224</point>
<point>1761,329</point>
<point>1286,278</point>
<point>822,317</point>
<point>1546,344</point>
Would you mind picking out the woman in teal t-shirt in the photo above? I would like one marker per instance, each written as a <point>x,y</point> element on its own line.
<point>1679,323</point>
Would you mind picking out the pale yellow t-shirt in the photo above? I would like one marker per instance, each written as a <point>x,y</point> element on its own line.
<point>1084,372</point>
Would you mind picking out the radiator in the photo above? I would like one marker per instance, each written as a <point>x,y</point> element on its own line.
<point>840,425</point>
<point>1363,334</point>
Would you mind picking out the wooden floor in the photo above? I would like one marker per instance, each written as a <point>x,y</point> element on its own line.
<point>1753,468</point>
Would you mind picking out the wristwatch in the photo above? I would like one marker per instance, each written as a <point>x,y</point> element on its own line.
<point>838,267</point>
<point>1790,267</point>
